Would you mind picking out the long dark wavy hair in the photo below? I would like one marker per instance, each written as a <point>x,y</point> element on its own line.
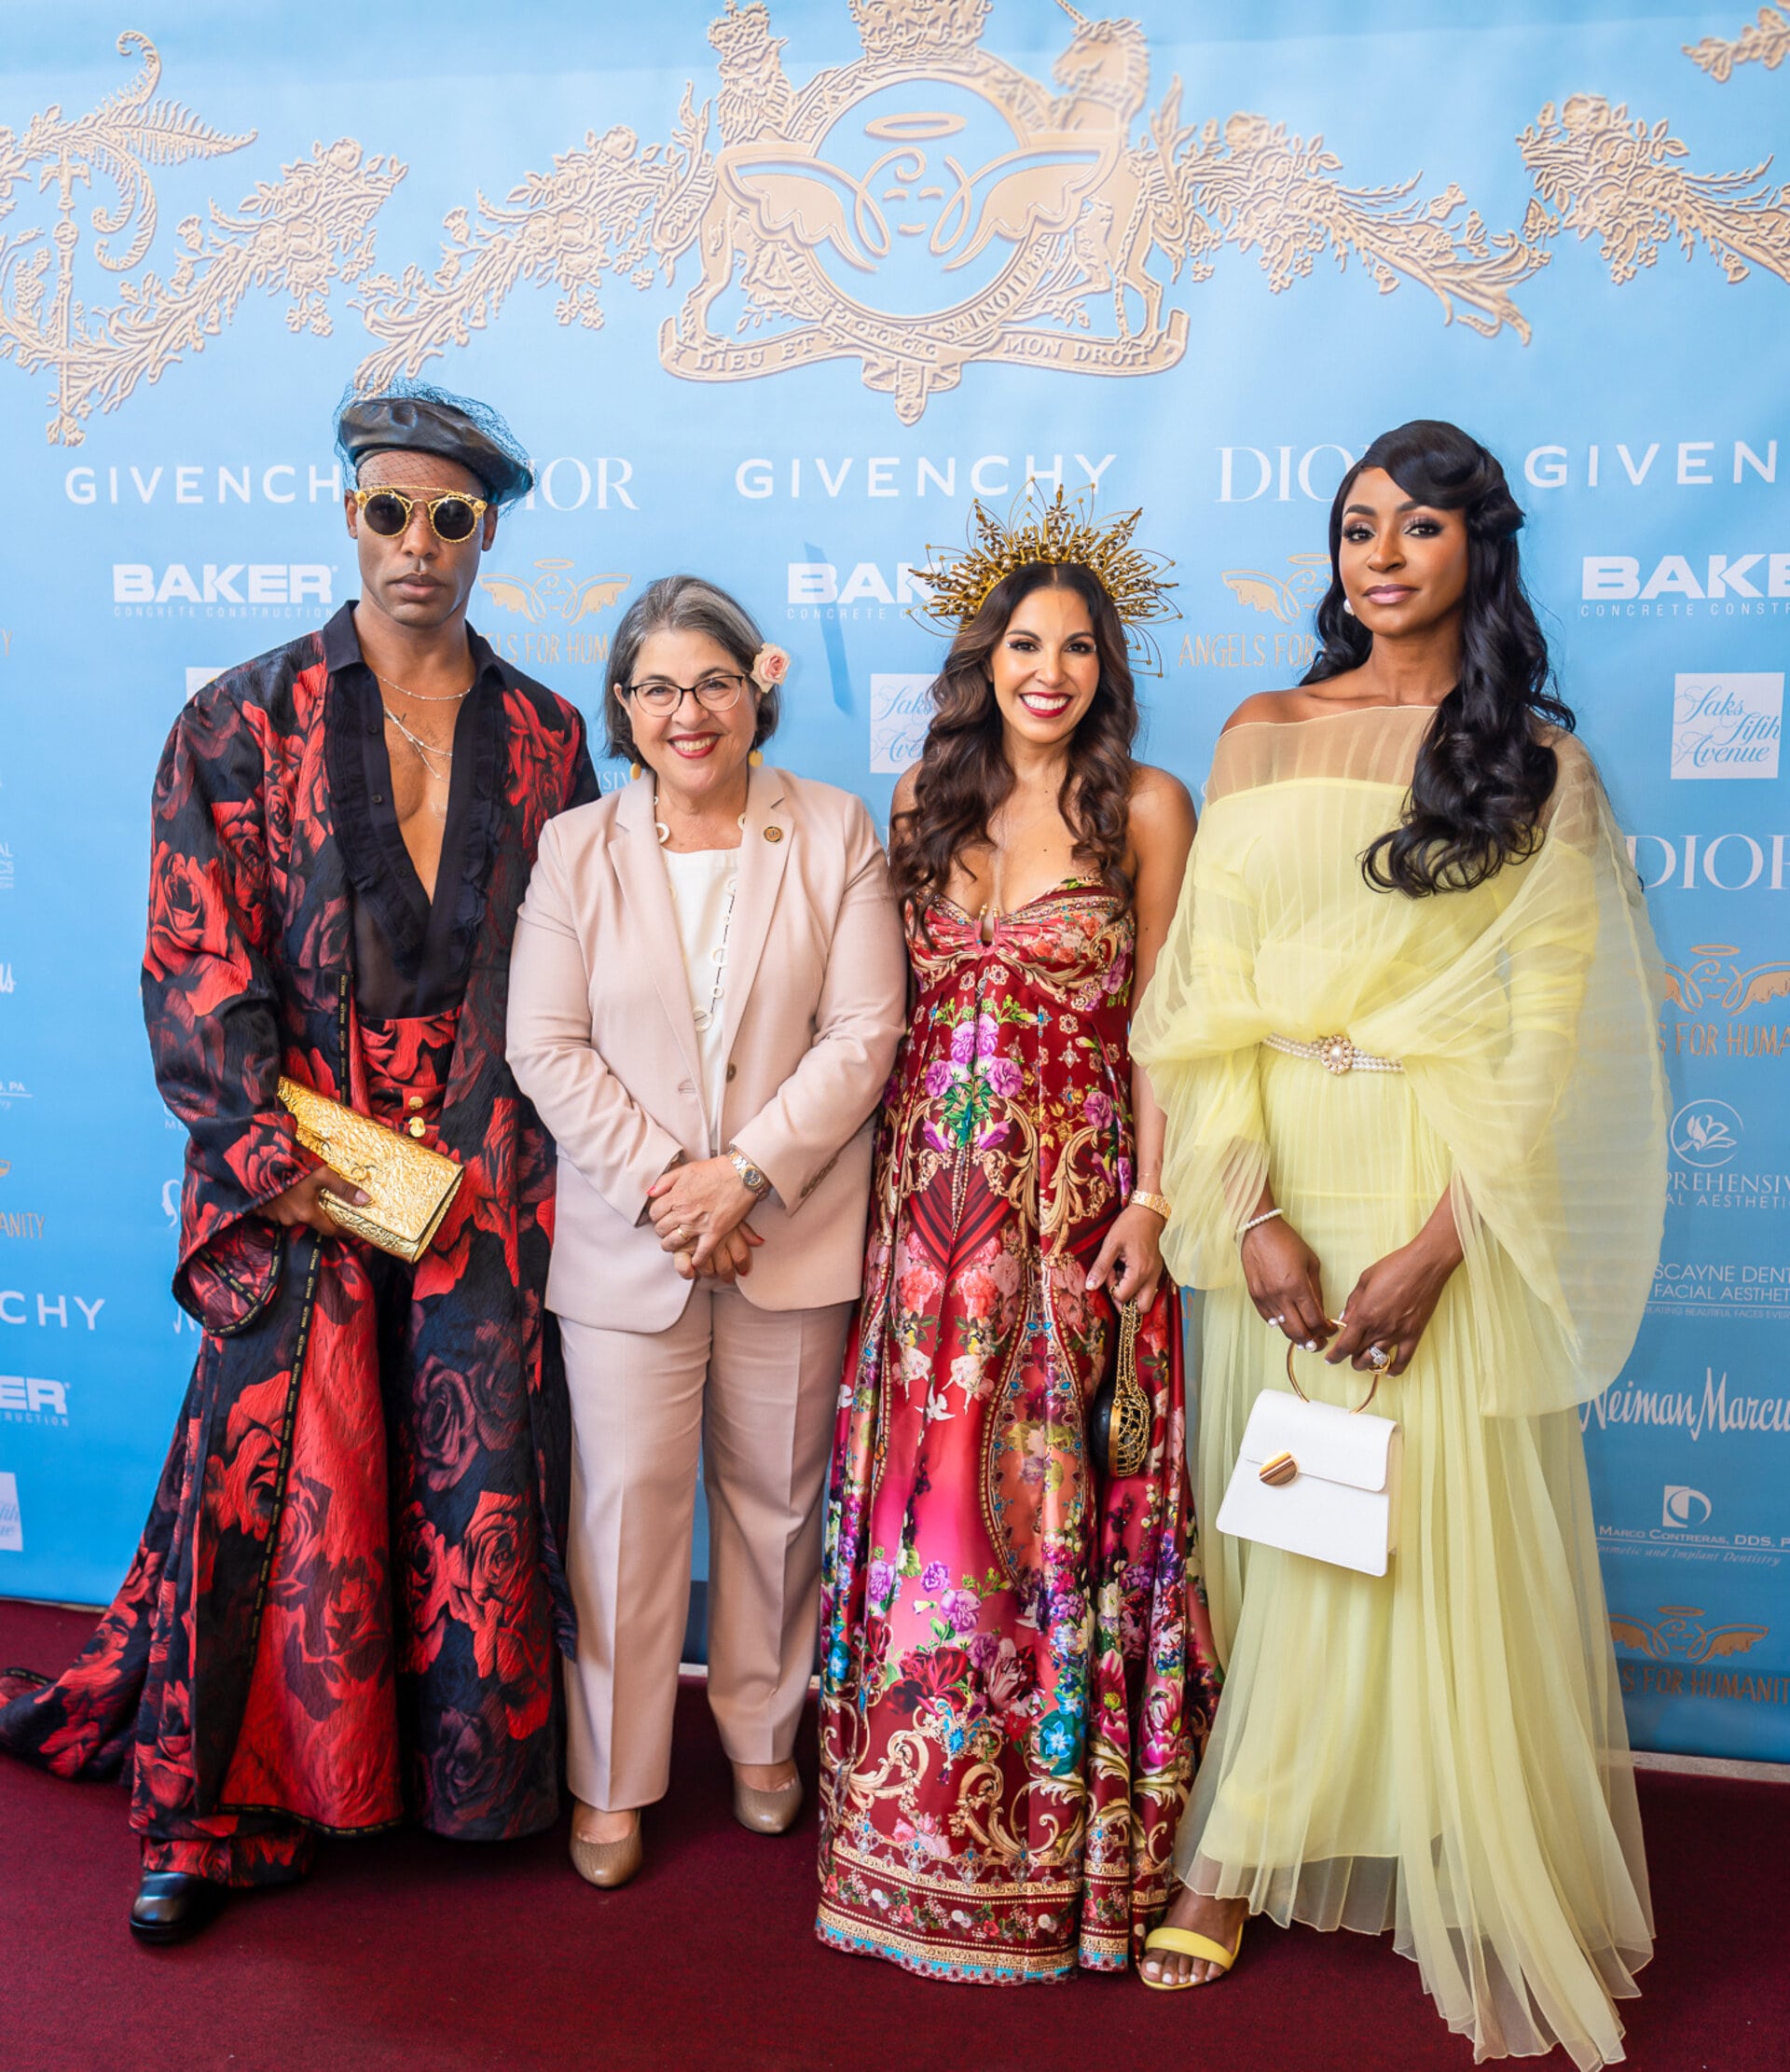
<point>963,776</point>
<point>1483,774</point>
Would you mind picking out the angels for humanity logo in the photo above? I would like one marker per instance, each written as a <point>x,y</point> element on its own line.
<point>554,593</point>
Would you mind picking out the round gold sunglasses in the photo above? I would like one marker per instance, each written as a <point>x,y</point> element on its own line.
<point>453,516</point>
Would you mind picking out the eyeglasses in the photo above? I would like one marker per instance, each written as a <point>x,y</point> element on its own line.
<point>718,692</point>
<point>453,516</point>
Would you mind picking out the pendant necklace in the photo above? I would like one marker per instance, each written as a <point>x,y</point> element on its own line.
<point>424,751</point>
<point>703,1017</point>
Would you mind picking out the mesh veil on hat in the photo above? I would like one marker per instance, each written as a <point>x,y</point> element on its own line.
<point>414,418</point>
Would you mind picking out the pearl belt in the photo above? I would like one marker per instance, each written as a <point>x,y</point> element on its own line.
<point>1336,1054</point>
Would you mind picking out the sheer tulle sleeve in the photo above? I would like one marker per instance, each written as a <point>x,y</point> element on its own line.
<point>1534,1054</point>
<point>1197,1032</point>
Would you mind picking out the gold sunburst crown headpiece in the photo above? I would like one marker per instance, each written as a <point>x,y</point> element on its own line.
<point>958,581</point>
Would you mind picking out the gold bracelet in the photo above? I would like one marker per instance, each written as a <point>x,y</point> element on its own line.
<point>1159,1205</point>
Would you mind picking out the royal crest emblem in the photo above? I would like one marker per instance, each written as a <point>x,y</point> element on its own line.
<point>930,205</point>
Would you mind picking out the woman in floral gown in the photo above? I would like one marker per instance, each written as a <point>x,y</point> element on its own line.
<point>1010,1706</point>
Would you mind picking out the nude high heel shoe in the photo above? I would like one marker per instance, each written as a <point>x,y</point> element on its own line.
<point>607,1864</point>
<point>767,1812</point>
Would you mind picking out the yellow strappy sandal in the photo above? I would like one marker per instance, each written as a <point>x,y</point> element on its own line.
<point>1185,1942</point>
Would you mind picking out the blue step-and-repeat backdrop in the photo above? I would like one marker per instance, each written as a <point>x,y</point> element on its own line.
<point>772,292</point>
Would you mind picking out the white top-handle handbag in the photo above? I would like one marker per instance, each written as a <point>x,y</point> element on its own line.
<point>1315,1479</point>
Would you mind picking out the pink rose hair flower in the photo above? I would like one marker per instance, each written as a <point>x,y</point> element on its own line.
<point>770,665</point>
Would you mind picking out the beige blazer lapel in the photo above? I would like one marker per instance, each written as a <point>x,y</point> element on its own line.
<point>653,936</point>
<point>770,832</point>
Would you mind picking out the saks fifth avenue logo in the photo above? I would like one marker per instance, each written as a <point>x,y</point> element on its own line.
<point>1727,725</point>
<point>901,711</point>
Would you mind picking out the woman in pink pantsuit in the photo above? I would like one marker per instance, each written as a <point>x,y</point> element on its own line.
<point>705,1000</point>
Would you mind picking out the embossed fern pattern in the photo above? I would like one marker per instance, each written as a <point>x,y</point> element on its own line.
<point>1765,42</point>
<point>1276,196</point>
<point>1598,174</point>
<point>314,224</point>
<point>612,209</point>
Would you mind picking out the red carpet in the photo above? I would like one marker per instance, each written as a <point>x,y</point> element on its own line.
<point>408,1954</point>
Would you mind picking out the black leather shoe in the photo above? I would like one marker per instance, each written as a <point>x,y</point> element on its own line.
<point>171,1905</point>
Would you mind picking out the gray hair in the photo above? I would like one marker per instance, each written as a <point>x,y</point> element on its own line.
<point>682,604</point>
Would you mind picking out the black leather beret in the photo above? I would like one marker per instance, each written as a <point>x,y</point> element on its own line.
<point>419,424</point>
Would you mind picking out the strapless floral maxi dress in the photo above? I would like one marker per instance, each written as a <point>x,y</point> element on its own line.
<point>1011,1711</point>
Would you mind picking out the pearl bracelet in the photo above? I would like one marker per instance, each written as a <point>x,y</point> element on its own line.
<point>1267,1216</point>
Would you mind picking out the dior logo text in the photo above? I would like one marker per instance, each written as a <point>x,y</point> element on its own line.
<point>1281,473</point>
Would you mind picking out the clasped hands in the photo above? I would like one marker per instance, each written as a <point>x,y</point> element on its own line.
<point>699,1212</point>
<point>1388,1309</point>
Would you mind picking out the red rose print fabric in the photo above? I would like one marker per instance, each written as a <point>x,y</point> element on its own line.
<point>344,1606</point>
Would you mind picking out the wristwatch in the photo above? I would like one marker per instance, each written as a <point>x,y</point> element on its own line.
<point>750,1175</point>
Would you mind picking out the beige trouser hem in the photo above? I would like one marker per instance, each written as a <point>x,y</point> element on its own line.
<point>753,1392</point>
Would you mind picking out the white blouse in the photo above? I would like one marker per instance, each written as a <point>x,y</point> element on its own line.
<point>702,884</point>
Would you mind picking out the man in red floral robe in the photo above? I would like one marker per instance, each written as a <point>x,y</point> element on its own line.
<point>344,1606</point>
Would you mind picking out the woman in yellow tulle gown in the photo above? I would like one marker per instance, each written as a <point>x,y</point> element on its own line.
<point>1414,852</point>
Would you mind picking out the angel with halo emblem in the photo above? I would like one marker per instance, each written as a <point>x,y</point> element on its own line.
<point>554,594</point>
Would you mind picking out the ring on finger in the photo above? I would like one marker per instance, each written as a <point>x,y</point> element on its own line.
<point>1379,1359</point>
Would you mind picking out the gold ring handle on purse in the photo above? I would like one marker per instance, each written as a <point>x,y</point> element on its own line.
<point>1293,1380</point>
<point>1128,1443</point>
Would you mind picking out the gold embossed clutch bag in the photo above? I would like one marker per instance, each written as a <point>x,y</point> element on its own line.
<point>408,1186</point>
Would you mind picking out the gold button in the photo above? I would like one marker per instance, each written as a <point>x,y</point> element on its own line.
<point>417,1127</point>
<point>772,834</point>
<point>414,1102</point>
<point>732,1069</point>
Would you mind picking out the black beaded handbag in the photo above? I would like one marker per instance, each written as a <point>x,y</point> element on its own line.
<point>1119,1416</point>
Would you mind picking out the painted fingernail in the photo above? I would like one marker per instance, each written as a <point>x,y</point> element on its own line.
<point>1311,1344</point>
